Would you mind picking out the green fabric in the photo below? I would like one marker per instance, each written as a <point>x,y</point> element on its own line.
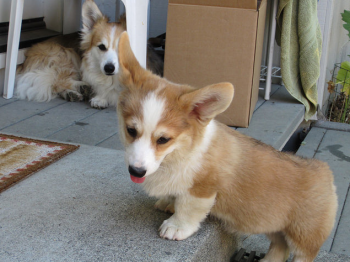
<point>299,35</point>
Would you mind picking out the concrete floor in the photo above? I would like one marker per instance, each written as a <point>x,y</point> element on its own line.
<point>84,208</point>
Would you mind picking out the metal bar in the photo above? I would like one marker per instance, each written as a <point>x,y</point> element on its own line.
<point>271,49</point>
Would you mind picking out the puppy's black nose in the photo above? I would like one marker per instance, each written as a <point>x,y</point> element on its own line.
<point>109,68</point>
<point>138,172</point>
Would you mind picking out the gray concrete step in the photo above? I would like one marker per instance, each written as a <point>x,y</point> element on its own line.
<point>275,121</point>
<point>15,111</point>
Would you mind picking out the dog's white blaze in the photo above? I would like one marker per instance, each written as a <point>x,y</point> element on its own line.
<point>110,56</point>
<point>141,153</point>
<point>152,110</point>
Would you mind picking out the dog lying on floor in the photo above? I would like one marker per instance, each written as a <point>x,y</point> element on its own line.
<point>197,166</point>
<point>59,67</point>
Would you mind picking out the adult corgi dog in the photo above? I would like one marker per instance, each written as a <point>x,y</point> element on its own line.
<point>99,66</point>
<point>70,67</point>
<point>77,68</point>
<point>197,166</point>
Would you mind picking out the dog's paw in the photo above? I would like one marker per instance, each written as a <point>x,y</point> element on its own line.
<point>174,231</point>
<point>98,103</point>
<point>166,205</point>
<point>71,96</point>
<point>86,91</point>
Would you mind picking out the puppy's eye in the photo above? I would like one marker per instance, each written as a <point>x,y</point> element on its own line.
<point>131,131</point>
<point>102,47</point>
<point>163,140</point>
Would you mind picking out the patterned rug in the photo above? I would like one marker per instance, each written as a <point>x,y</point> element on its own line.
<point>21,157</point>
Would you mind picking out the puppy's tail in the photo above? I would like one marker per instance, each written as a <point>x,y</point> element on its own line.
<point>36,85</point>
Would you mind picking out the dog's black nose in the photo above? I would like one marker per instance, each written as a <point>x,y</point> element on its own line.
<point>138,172</point>
<point>109,68</point>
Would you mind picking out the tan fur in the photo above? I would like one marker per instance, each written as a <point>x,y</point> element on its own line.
<point>59,65</point>
<point>53,55</point>
<point>213,169</point>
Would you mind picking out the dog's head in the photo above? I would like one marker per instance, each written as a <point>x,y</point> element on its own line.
<point>100,38</point>
<point>161,121</point>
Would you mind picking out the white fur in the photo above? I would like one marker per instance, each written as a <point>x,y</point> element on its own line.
<point>190,211</point>
<point>174,180</point>
<point>152,110</point>
<point>176,177</point>
<point>36,83</point>
<point>141,153</point>
<point>106,87</point>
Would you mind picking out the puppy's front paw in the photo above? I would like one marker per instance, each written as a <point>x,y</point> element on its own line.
<point>71,95</point>
<point>98,103</point>
<point>166,205</point>
<point>175,231</point>
<point>86,91</point>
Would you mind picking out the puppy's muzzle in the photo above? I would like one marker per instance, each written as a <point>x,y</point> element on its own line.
<point>138,172</point>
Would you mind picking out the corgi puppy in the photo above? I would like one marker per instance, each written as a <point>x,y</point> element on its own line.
<point>197,166</point>
<point>78,68</point>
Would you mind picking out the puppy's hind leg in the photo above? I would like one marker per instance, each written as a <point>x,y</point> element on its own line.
<point>278,251</point>
<point>67,87</point>
<point>304,245</point>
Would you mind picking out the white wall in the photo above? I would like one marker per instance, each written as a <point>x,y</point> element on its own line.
<point>32,8</point>
<point>108,8</point>
<point>337,39</point>
<point>51,10</point>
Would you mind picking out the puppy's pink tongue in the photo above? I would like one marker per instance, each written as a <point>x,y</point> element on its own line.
<point>138,180</point>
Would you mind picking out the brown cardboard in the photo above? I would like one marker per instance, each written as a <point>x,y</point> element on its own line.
<point>248,4</point>
<point>207,44</point>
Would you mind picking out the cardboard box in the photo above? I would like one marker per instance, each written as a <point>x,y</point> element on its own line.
<point>210,41</point>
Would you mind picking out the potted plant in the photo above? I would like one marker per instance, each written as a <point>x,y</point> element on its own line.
<point>339,86</point>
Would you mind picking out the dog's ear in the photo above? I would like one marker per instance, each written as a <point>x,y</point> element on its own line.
<point>90,15</point>
<point>206,103</point>
<point>131,73</point>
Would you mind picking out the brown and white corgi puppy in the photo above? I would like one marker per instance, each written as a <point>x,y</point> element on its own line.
<point>197,166</point>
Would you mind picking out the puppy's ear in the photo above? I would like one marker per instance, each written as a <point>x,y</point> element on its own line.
<point>90,15</point>
<point>131,73</point>
<point>206,103</point>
